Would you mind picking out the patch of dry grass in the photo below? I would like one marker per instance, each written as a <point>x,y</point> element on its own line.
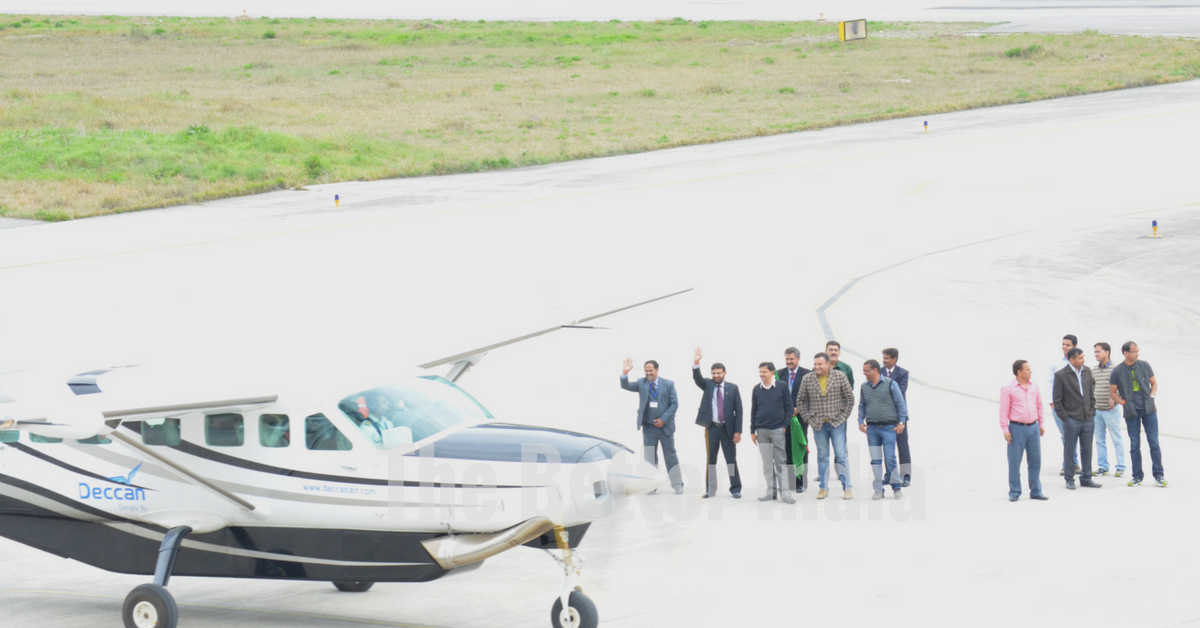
<point>112,114</point>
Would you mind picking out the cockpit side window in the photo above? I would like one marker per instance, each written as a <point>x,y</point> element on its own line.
<point>320,434</point>
<point>10,436</point>
<point>402,414</point>
<point>161,432</point>
<point>224,430</point>
<point>95,440</point>
<point>274,430</point>
<point>34,438</point>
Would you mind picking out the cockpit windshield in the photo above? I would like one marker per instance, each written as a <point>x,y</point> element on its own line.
<point>402,414</point>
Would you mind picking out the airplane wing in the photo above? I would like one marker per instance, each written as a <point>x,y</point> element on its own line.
<point>96,402</point>
<point>467,359</point>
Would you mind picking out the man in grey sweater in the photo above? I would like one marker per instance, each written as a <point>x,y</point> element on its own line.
<point>882,415</point>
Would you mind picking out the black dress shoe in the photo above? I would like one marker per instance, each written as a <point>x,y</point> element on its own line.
<point>706,496</point>
<point>736,494</point>
<point>907,481</point>
<point>1088,483</point>
<point>1040,498</point>
<point>1070,485</point>
<point>1013,498</point>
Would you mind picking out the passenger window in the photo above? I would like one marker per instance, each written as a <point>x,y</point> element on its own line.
<point>10,436</point>
<point>274,430</point>
<point>95,440</point>
<point>224,430</point>
<point>161,432</point>
<point>321,435</point>
<point>34,438</point>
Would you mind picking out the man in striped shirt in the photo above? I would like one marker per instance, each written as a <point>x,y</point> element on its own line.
<point>1108,414</point>
<point>1022,425</point>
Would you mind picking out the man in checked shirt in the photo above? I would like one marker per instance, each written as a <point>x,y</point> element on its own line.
<point>1021,422</point>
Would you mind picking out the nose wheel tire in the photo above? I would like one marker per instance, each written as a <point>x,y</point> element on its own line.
<point>150,606</point>
<point>580,613</point>
<point>353,587</point>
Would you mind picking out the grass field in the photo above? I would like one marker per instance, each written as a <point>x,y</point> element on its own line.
<point>108,114</point>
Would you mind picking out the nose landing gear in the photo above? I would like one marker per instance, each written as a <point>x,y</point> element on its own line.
<point>579,613</point>
<point>572,609</point>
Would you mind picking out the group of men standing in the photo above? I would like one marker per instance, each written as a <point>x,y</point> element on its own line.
<point>784,405</point>
<point>1085,403</point>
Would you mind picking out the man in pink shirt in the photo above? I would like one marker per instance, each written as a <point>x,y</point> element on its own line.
<point>1021,422</point>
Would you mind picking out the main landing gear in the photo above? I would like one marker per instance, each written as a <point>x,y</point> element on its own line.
<point>353,587</point>
<point>572,609</point>
<point>150,605</point>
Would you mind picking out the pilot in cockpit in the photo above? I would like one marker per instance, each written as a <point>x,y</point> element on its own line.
<point>379,419</point>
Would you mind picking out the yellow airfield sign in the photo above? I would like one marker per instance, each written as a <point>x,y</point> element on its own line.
<point>852,30</point>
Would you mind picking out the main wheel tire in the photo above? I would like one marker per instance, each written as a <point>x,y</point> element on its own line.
<point>150,606</point>
<point>581,612</point>
<point>353,587</point>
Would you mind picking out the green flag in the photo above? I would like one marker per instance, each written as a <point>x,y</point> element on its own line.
<point>799,446</point>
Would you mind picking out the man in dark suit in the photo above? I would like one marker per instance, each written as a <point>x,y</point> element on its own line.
<point>657,403</point>
<point>720,415</point>
<point>1075,402</point>
<point>792,376</point>
<point>900,376</point>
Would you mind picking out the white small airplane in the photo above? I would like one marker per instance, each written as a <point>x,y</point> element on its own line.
<point>153,471</point>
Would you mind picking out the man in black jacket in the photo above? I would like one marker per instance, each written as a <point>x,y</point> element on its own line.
<point>770,411</point>
<point>1075,402</point>
<point>792,376</point>
<point>720,415</point>
<point>899,374</point>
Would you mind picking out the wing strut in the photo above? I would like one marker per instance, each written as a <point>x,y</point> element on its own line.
<point>467,359</point>
<point>181,470</point>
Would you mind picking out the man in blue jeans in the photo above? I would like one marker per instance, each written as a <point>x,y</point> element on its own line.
<point>1133,387</point>
<point>825,400</point>
<point>882,414</point>
<point>1108,414</point>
